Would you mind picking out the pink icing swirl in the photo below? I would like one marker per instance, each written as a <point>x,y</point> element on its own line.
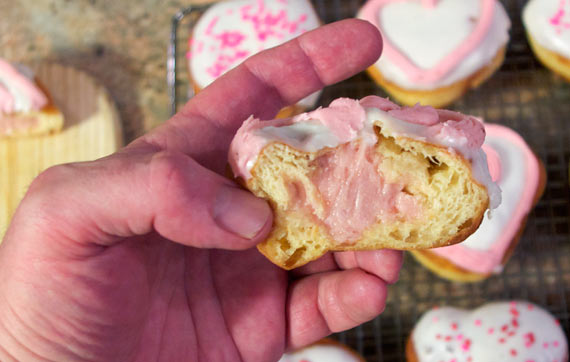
<point>371,12</point>
<point>24,87</point>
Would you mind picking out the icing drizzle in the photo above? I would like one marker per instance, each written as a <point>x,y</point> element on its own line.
<point>18,92</point>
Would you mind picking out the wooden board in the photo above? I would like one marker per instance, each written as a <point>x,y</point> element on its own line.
<point>92,130</point>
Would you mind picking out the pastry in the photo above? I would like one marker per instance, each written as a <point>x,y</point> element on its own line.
<point>362,175</point>
<point>231,31</point>
<point>503,331</point>
<point>25,106</point>
<point>521,177</point>
<point>547,24</point>
<point>326,350</point>
<point>436,50</point>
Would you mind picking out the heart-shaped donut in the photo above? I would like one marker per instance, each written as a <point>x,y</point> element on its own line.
<point>433,43</point>
<point>501,331</point>
<point>519,174</point>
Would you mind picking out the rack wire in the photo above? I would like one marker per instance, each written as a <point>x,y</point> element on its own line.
<point>522,95</point>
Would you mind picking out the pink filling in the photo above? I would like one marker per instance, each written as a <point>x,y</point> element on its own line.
<point>362,197</point>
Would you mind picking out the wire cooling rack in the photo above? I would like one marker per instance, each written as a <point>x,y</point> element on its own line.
<point>522,95</point>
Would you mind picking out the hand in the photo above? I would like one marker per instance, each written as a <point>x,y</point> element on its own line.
<point>148,254</point>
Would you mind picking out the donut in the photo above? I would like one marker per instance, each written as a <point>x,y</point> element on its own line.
<point>365,175</point>
<point>436,50</point>
<point>325,350</point>
<point>25,106</point>
<point>514,331</point>
<point>547,24</point>
<point>522,178</point>
<point>231,31</point>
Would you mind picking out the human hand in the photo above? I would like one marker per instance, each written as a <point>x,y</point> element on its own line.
<point>148,254</point>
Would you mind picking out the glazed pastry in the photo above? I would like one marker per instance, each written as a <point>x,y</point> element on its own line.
<point>436,50</point>
<point>547,23</point>
<point>25,107</point>
<point>231,31</point>
<point>521,177</point>
<point>363,175</point>
<point>326,350</point>
<point>503,331</point>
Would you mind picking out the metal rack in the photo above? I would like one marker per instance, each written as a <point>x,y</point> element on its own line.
<point>522,95</point>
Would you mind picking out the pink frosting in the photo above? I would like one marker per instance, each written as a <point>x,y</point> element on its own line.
<point>345,118</point>
<point>371,11</point>
<point>26,87</point>
<point>487,261</point>
<point>494,162</point>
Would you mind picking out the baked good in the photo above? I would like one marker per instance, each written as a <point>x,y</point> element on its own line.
<point>521,177</point>
<point>500,331</point>
<point>547,24</point>
<point>362,175</point>
<point>325,350</point>
<point>231,31</point>
<point>436,50</point>
<point>25,106</point>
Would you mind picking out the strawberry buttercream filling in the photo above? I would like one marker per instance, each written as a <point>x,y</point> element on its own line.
<point>348,180</point>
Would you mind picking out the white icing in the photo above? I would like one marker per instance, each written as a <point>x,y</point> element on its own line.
<point>427,35</point>
<point>539,20</point>
<point>308,136</point>
<point>206,48</point>
<point>22,101</point>
<point>503,331</point>
<point>320,353</point>
<point>513,171</point>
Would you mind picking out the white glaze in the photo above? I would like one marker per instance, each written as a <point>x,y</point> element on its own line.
<point>513,172</point>
<point>320,353</point>
<point>206,44</point>
<point>539,18</point>
<point>428,35</point>
<point>503,331</point>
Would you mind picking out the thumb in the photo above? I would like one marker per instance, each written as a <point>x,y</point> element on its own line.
<point>138,191</point>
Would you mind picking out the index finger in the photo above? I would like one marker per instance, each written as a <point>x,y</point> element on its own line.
<point>265,83</point>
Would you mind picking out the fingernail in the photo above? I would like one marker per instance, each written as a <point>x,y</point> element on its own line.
<point>240,212</point>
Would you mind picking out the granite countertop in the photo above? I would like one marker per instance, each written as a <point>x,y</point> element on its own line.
<point>121,43</point>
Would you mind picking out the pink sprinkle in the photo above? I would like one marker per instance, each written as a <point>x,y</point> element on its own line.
<point>459,337</point>
<point>530,307</point>
<point>513,352</point>
<point>513,304</point>
<point>469,359</point>
<point>211,25</point>
<point>478,322</point>
<point>511,333</point>
<point>515,323</point>
<point>454,326</point>
<point>545,345</point>
<point>529,360</point>
<point>448,338</point>
<point>555,343</point>
<point>491,330</point>
<point>438,336</point>
<point>465,346</point>
<point>501,340</point>
<point>453,360</point>
<point>514,312</point>
<point>529,339</point>
<point>504,328</point>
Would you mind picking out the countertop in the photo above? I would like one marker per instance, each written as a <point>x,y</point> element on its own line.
<point>122,44</point>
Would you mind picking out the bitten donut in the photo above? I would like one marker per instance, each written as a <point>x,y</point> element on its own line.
<point>547,23</point>
<point>521,177</point>
<point>231,31</point>
<point>503,331</point>
<point>362,175</point>
<point>326,350</point>
<point>436,50</point>
<point>25,107</point>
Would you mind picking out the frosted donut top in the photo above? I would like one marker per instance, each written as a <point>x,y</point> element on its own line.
<point>548,22</point>
<point>231,31</point>
<point>503,331</point>
<point>432,44</point>
<point>517,172</point>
